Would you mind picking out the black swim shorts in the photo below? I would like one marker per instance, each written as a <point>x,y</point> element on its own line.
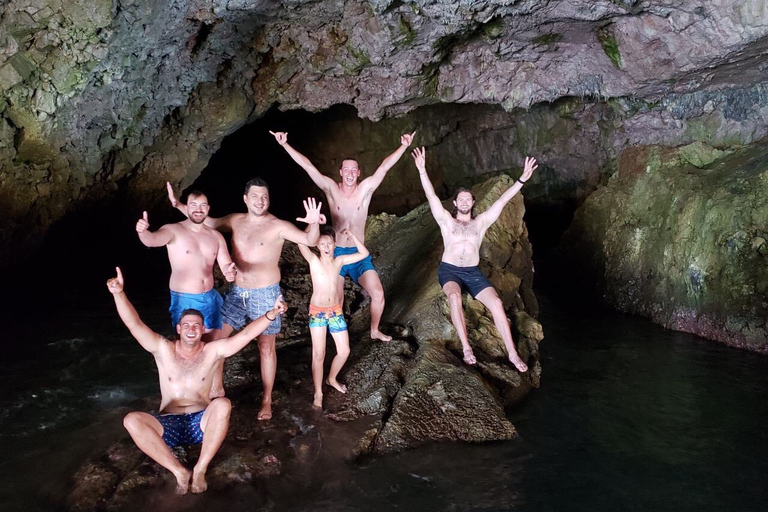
<point>469,278</point>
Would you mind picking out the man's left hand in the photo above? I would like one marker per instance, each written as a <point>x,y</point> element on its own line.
<point>313,215</point>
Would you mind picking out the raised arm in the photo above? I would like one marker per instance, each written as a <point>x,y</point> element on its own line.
<point>490,216</point>
<point>420,159</point>
<point>360,255</point>
<point>227,347</point>
<point>369,185</point>
<point>219,224</point>
<point>313,218</point>
<point>146,337</point>
<point>159,238</point>
<point>321,180</point>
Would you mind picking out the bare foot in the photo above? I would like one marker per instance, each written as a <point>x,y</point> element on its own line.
<point>519,364</point>
<point>182,482</point>
<point>317,403</point>
<point>265,413</point>
<point>198,483</point>
<point>378,335</point>
<point>469,356</point>
<point>341,388</point>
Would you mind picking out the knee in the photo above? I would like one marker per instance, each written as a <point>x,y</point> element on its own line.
<point>496,306</point>
<point>342,351</point>
<point>318,354</point>
<point>266,350</point>
<point>377,294</point>
<point>132,421</point>
<point>454,299</point>
<point>222,406</point>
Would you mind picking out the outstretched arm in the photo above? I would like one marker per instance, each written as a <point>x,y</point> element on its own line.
<point>490,216</point>
<point>321,180</point>
<point>313,218</point>
<point>438,212</point>
<point>159,238</point>
<point>219,224</point>
<point>369,185</point>
<point>146,337</point>
<point>229,346</point>
<point>362,251</point>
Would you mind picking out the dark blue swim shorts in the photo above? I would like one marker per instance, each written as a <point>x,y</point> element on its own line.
<point>354,270</point>
<point>469,278</point>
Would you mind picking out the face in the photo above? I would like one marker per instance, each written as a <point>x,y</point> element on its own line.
<point>190,329</point>
<point>257,200</point>
<point>197,208</point>
<point>349,172</point>
<point>464,202</point>
<point>326,244</point>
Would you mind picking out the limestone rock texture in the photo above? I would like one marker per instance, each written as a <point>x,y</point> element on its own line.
<point>682,240</point>
<point>102,100</point>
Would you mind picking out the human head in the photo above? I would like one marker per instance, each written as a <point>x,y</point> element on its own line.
<point>327,241</point>
<point>256,197</point>
<point>197,206</point>
<point>350,172</point>
<point>191,326</point>
<point>463,202</point>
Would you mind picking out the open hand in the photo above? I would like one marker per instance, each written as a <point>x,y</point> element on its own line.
<point>313,215</point>
<point>230,272</point>
<point>171,195</point>
<point>530,166</point>
<point>143,224</point>
<point>420,158</point>
<point>115,285</point>
<point>407,138</point>
<point>280,137</point>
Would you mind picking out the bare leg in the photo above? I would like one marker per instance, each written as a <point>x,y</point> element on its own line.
<point>491,300</point>
<point>372,284</point>
<point>342,353</point>
<point>217,387</point>
<point>453,292</point>
<point>268,372</point>
<point>318,359</point>
<point>214,424</point>
<point>147,433</point>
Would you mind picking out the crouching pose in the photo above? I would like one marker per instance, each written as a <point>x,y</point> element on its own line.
<point>463,234</point>
<point>324,308</point>
<point>186,369</point>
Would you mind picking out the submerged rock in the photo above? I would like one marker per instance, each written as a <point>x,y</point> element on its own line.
<point>682,240</point>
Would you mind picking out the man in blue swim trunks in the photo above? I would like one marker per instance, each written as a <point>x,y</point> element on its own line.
<point>193,248</point>
<point>463,232</point>
<point>348,202</point>
<point>188,414</point>
<point>257,241</point>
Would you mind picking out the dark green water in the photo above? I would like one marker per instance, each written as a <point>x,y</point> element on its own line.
<point>629,417</point>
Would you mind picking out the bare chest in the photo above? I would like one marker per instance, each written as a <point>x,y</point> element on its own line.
<point>465,231</point>
<point>350,207</point>
<point>248,237</point>
<point>194,246</point>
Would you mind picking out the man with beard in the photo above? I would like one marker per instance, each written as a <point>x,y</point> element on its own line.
<point>257,242</point>
<point>463,233</point>
<point>185,367</point>
<point>192,249</point>
<point>349,202</point>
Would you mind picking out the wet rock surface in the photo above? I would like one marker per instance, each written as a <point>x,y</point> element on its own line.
<point>401,394</point>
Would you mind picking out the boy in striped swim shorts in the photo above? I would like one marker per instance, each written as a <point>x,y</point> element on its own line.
<point>325,312</point>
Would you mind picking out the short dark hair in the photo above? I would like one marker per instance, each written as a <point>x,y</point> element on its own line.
<point>350,158</point>
<point>455,211</point>
<point>195,193</point>
<point>255,182</point>
<point>328,231</point>
<point>191,311</point>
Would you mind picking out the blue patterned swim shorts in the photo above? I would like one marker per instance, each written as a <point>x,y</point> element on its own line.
<point>251,303</point>
<point>181,428</point>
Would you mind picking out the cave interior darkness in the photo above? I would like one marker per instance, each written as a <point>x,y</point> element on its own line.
<point>81,251</point>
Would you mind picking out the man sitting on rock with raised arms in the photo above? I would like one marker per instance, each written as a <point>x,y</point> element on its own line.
<point>192,249</point>
<point>463,234</point>
<point>257,242</point>
<point>185,367</point>
<point>348,202</point>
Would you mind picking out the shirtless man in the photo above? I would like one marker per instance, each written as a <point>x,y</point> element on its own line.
<point>324,309</point>
<point>257,241</point>
<point>349,202</point>
<point>192,249</point>
<point>463,233</point>
<point>185,367</point>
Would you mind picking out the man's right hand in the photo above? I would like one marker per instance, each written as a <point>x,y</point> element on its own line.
<point>420,158</point>
<point>312,209</point>
<point>281,137</point>
<point>115,285</point>
<point>143,224</point>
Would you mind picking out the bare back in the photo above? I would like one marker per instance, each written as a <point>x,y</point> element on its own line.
<point>256,249</point>
<point>185,382</point>
<point>349,211</point>
<point>192,254</point>
<point>462,240</point>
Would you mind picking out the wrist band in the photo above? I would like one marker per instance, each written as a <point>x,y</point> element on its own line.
<point>521,181</point>
<point>266,315</point>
